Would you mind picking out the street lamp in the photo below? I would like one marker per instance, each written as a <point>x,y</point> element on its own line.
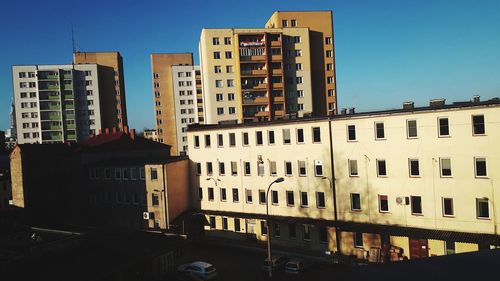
<point>215,180</point>
<point>337,236</point>
<point>269,258</point>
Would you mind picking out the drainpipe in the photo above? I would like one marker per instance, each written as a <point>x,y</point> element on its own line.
<point>335,217</point>
<point>167,218</point>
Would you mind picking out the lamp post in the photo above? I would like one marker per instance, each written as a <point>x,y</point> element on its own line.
<point>337,236</point>
<point>269,257</point>
<point>215,180</point>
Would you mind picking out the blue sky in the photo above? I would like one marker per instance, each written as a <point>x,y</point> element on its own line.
<point>387,51</point>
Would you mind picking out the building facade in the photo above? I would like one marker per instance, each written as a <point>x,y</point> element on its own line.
<point>164,95</point>
<point>412,183</point>
<point>113,90</point>
<point>60,103</point>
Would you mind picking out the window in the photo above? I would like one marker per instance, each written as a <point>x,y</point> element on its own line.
<point>220,110</point>
<point>216,55</point>
<point>480,167</point>
<point>118,174</point>
<point>248,195</point>
<point>292,231</point>
<point>229,55</point>
<point>223,196</point>
<point>272,168</point>
<point>414,167</point>
<point>270,137</point>
<point>215,41</point>
<point>318,168</point>
<point>443,127</point>
<point>230,82</point>
<point>329,80</point>
<point>411,128</point>
<point>316,134</point>
<point>155,199</point>
<point>237,226</point>
<point>320,200</point>
<point>260,167</point>
<point>290,198</point>
<point>125,174</point>
<point>304,203</point>
<point>232,139</point>
<point>294,23</point>
<point>358,240</point>
<point>212,222</point>
<point>302,168</point>
<point>328,40</point>
<point>274,197</point>
<point>300,93</point>
<point>224,223</point>
<point>306,232</point>
<point>286,136</point>
<point>262,196</point>
<point>379,131</point>
<point>245,138</point>
<point>353,168</point>
<point>220,140</point>
<point>299,80</point>
<point>284,23</point>
<point>300,135</point>
<point>200,193</point>
<point>329,54</point>
<point>234,168</point>
<point>448,207</point>
<point>298,66</point>
<point>478,125</point>
<point>329,67</point>
<point>236,197</point>
<point>211,195</point>
<point>351,132</point>
<point>198,168</point>
<point>247,168</point>
<point>230,96</point>
<point>288,168</point>
<point>416,205</point>
<point>355,202</point>
<point>258,138</point>
<point>222,169</point>
<point>483,210</point>
<point>217,69</point>
<point>196,141</point>
<point>207,141</point>
<point>381,168</point>
<point>227,40</point>
<point>209,168</point>
<point>263,228</point>
<point>445,164</point>
<point>141,173</point>
<point>229,69</point>
<point>383,203</point>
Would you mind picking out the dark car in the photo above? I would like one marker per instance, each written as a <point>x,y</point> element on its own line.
<point>296,266</point>
<point>277,264</point>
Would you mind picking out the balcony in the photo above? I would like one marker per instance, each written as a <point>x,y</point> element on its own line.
<point>252,72</point>
<point>71,127</point>
<point>252,58</point>
<point>69,106</point>
<point>255,101</point>
<point>277,71</point>
<point>261,114</point>
<point>49,96</point>
<point>50,127</point>
<point>70,116</point>
<point>258,87</point>
<point>279,112</point>
<point>68,87</point>
<point>45,86</point>
<point>275,43</point>
<point>69,97</point>
<point>45,106</point>
<point>52,137</point>
<point>67,76</point>
<point>278,85</point>
<point>48,76</point>
<point>279,99</point>
<point>276,57</point>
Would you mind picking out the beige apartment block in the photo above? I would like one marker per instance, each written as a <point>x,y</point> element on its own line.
<point>111,67</point>
<point>255,74</point>
<point>321,38</point>
<point>408,183</point>
<point>163,94</point>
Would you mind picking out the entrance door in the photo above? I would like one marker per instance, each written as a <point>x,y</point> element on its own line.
<point>418,248</point>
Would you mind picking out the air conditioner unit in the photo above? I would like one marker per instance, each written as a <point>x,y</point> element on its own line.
<point>403,200</point>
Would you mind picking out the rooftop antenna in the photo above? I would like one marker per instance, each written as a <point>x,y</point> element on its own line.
<point>73,44</point>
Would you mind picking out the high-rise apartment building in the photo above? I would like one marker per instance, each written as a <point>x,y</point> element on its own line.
<point>321,38</point>
<point>269,73</point>
<point>58,103</point>
<point>178,97</point>
<point>113,89</point>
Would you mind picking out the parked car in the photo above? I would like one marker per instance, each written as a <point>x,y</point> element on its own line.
<point>278,263</point>
<point>296,266</point>
<point>200,269</point>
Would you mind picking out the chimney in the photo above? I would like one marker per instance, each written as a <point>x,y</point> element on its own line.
<point>343,111</point>
<point>436,102</point>
<point>132,134</point>
<point>125,130</point>
<point>106,131</point>
<point>351,110</point>
<point>476,98</point>
<point>408,105</point>
<point>114,130</point>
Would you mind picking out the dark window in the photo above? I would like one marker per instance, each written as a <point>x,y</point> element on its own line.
<point>290,198</point>
<point>355,202</point>
<point>358,239</point>
<point>247,168</point>
<point>154,174</point>
<point>288,168</point>
<point>300,135</point>
<point>383,203</point>
<point>381,168</point>
<point>320,199</point>
<point>478,125</point>
<point>220,140</point>
<point>271,137</point>
<point>414,168</point>
<point>222,168</point>
<point>351,132</point>
<point>212,222</point>
<point>481,167</point>
<point>236,197</point>
<point>209,168</point>
<point>379,131</point>
<point>223,196</point>
<point>237,226</point>
<point>155,199</point>
<point>224,223</point>
<point>258,136</point>
<point>316,134</point>
<point>262,197</point>
<point>200,193</point>
<point>302,168</point>
<point>232,139</point>
<point>444,129</point>
<point>411,128</point>
<point>303,199</point>
<point>306,232</point>
<point>323,234</point>
<point>274,195</point>
<point>448,207</point>
<point>276,230</point>
<point>416,205</point>
<point>196,141</point>
<point>207,140</point>
<point>198,168</point>
<point>483,210</point>
<point>263,228</point>
<point>211,194</point>
<point>245,138</point>
<point>318,168</point>
<point>292,230</point>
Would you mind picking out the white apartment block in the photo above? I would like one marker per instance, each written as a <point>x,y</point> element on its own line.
<point>422,180</point>
<point>185,100</point>
<point>56,103</point>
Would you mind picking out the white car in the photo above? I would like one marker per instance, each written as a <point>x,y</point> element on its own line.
<point>199,269</point>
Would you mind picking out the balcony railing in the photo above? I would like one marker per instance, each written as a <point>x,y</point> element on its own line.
<point>48,77</point>
<point>277,71</point>
<point>276,43</point>
<point>255,101</point>
<point>258,72</point>
<point>252,58</point>
<point>276,57</point>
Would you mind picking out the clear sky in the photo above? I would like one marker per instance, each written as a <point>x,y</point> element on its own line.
<point>387,51</point>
